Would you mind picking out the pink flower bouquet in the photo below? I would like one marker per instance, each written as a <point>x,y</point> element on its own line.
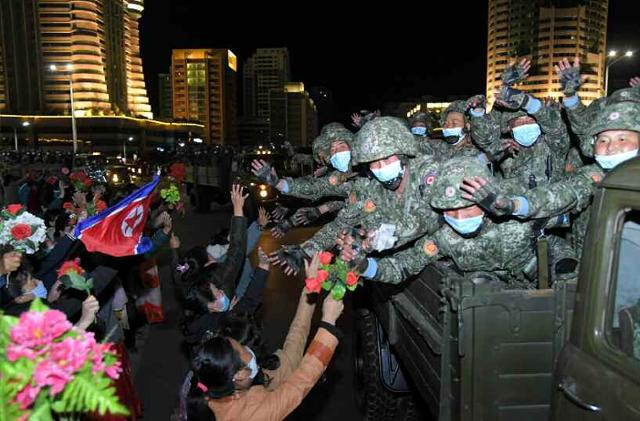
<point>48,367</point>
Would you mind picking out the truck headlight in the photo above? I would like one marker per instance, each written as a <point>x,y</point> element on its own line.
<point>263,193</point>
<point>115,178</point>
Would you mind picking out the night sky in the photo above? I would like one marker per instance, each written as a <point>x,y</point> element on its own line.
<point>399,52</point>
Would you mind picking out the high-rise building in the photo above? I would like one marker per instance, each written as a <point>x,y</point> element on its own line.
<point>204,89</point>
<point>93,44</point>
<point>266,69</point>
<point>294,117</point>
<point>165,96</point>
<point>547,31</point>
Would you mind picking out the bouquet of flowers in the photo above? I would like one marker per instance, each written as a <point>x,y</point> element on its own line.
<point>72,275</point>
<point>80,180</point>
<point>46,366</point>
<point>333,275</point>
<point>94,207</point>
<point>171,195</point>
<point>22,230</point>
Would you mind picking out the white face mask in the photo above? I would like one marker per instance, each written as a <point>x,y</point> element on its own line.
<point>253,364</point>
<point>217,251</point>
<point>608,162</point>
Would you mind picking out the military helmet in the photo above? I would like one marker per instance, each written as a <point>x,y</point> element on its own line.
<point>618,116</point>
<point>331,126</point>
<point>339,133</point>
<point>507,116</point>
<point>624,95</point>
<point>321,149</point>
<point>420,116</point>
<point>446,187</point>
<point>381,138</point>
<point>459,106</point>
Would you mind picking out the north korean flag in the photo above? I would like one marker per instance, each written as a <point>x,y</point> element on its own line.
<point>118,230</point>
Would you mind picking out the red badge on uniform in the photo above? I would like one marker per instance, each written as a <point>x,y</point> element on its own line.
<point>430,178</point>
<point>352,198</point>
<point>596,177</point>
<point>333,180</point>
<point>369,206</point>
<point>430,248</point>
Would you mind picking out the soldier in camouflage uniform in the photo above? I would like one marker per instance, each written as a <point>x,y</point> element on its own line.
<point>471,239</point>
<point>421,124</point>
<point>536,154</point>
<point>391,204</point>
<point>616,130</point>
<point>580,116</point>
<point>456,132</point>
<point>332,147</point>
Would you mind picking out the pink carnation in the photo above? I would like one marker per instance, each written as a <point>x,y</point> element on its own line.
<point>27,396</point>
<point>15,352</point>
<point>39,328</point>
<point>48,373</point>
<point>114,370</point>
<point>70,354</point>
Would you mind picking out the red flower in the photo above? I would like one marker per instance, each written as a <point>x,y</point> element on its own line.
<point>177,171</point>
<point>323,275</point>
<point>68,206</point>
<point>78,176</point>
<point>325,258</point>
<point>52,180</point>
<point>313,284</point>
<point>352,279</point>
<point>21,232</point>
<point>71,266</point>
<point>100,205</point>
<point>87,182</point>
<point>14,209</point>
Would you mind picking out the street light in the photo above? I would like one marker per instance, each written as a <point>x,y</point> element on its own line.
<point>614,58</point>
<point>74,130</point>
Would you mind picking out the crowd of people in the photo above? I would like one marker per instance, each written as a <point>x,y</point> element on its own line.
<point>490,196</point>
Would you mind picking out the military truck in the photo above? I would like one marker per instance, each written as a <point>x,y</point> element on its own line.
<point>451,347</point>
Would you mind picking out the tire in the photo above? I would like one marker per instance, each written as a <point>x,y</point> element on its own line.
<point>372,397</point>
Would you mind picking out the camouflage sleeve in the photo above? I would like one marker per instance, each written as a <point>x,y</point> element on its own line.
<point>550,120</point>
<point>313,188</point>
<point>335,205</point>
<point>485,132</point>
<point>400,266</point>
<point>579,121</point>
<point>325,237</point>
<point>570,195</point>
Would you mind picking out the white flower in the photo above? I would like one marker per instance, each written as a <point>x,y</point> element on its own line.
<point>28,245</point>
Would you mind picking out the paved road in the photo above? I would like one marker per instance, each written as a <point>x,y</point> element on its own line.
<point>162,359</point>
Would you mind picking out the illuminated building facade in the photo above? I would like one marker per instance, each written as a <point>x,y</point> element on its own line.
<point>293,116</point>
<point>46,45</point>
<point>547,31</point>
<point>204,90</point>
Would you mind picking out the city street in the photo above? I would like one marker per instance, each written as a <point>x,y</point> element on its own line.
<point>163,362</point>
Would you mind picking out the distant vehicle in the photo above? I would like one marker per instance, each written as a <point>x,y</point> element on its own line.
<point>470,349</point>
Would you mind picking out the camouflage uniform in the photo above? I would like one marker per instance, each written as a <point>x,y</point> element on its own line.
<point>424,143</point>
<point>537,165</point>
<point>506,249</point>
<point>370,204</point>
<point>575,193</point>
<point>335,183</point>
<point>465,147</point>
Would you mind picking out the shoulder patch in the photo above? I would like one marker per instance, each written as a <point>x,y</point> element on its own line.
<point>596,177</point>
<point>430,177</point>
<point>369,206</point>
<point>430,248</point>
<point>333,180</point>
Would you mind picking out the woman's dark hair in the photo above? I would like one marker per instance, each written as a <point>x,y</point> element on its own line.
<point>16,281</point>
<point>245,329</point>
<point>221,237</point>
<point>199,295</point>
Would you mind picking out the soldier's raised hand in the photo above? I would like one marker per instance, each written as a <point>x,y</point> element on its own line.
<point>290,258</point>
<point>264,172</point>
<point>279,212</point>
<point>569,75</point>
<point>516,72</point>
<point>480,191</point>
<point>634,81</point>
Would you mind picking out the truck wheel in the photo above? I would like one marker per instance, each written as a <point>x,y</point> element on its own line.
<point>375,401</point>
